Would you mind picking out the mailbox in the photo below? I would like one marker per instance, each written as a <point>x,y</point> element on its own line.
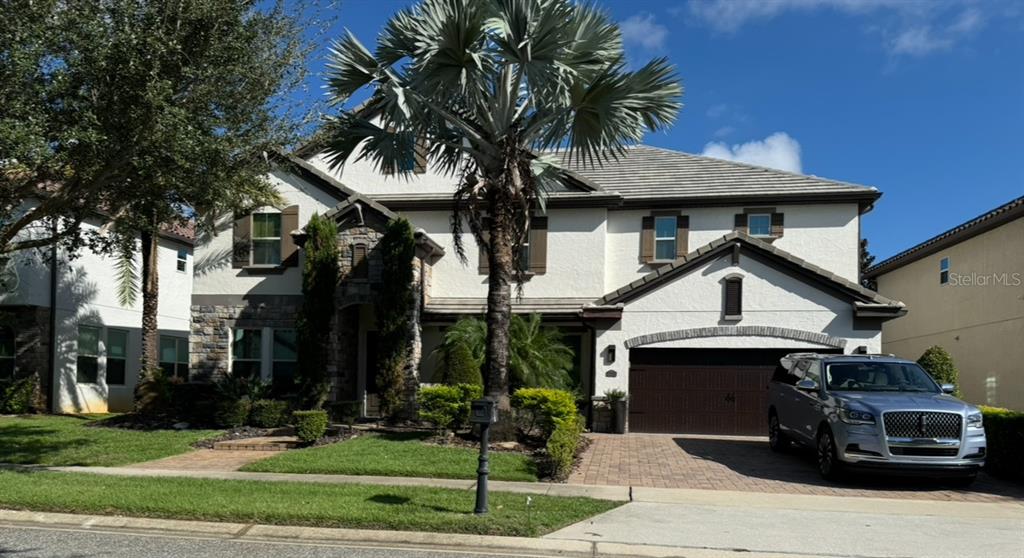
<point>483,411</point>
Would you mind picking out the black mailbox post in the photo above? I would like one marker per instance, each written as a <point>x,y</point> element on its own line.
<point>485,413</point>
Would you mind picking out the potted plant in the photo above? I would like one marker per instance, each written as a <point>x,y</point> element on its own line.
<point>616,399</point>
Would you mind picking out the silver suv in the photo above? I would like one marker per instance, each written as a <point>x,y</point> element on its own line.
<point>873,412</point>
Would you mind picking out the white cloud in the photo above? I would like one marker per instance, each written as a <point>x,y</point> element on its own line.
<point>724,131</point>
<point>908,27</point>
<point>641,29</point>
<point>777,151</point>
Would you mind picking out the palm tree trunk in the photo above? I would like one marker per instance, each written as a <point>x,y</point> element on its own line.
<point>150,300</point>
<point>499,301</point>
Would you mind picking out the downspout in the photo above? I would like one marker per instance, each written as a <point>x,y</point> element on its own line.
<point>52,373</point>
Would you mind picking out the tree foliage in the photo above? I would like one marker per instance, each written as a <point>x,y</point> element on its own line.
<point>460,367</point>
<point>939,364</point>
<point>319,282</point>
<point>539,356</point>
<point>491,86</point>
<point>866,260</point>
<point>146,111</point>
<point>394,303</point>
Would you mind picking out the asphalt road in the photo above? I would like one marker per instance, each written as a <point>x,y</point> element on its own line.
<point>37,542</point>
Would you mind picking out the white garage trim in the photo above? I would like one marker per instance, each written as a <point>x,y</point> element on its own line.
<point>730,331</point>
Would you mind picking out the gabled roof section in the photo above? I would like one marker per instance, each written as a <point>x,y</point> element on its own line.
<point>315,176</point>
<point>982,223</point>
<point>845,288</point>
<point>645,174</point>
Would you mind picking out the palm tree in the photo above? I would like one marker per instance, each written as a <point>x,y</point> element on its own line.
<point>492,87</point>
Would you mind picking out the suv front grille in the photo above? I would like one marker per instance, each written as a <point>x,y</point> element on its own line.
<point>919,424</point>
<point>926,452</point>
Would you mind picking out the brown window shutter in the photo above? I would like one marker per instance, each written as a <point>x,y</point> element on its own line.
<point>647,239</point>
<point>289,222</point>
<point>539,245</point>
<point>682,235</point>
<point>733,297</point>
<point>240,240</point>
<point>740,223</point>
<point>777,221</point>
<point>421,151</point>
<point>360,266</point>
<point>483,265</point>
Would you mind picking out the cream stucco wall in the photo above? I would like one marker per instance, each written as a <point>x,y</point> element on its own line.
<point>693,300</point>
<point>979,321</point>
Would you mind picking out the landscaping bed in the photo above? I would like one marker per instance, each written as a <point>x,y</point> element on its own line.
<point>288,503</point>
<point>74,440</point>
<point>397,454</point>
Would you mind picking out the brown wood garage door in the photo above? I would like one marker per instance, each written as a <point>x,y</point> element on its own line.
<point>698,399</point>
<point>700,391</point>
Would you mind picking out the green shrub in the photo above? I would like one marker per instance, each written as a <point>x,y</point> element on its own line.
<point>461,368</point>
<point>1004,430</point>
<point>233,413</point>
<point>562,445</point>
<point>345,412</point>
<point>939,364</point>
<point>17,397</point>
<point>194,403</point>
<point>268,413</point>
<point>310,426</point>
<point>447,407</point>
<point>542,408</point>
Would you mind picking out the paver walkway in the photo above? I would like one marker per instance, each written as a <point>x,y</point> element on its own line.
<point>746,464</point>
<point>206,460</point>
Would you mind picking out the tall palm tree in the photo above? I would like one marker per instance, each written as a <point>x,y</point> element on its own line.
<point>492,87</point>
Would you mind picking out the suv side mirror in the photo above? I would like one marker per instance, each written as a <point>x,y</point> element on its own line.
<point>948,388</point>
<point>807,385</point>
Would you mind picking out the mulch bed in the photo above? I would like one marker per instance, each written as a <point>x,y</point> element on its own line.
<point>240,433</point>
<point>132,421</point>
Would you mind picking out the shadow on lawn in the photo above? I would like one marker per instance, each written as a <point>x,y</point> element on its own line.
<point>31,444</point>
<point>389,499</point>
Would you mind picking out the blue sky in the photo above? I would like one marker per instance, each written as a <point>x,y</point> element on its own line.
<point>923,100</point>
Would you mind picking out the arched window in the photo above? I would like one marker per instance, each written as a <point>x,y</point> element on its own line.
<point>6,353</point>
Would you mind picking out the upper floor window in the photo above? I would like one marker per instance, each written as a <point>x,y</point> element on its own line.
<point>665,238</point>
<point>174,356</point>
<point>246,353</point>
<point>944,271</point>
<point>266,238</point>
<point>117,356</point>
<point>87,364</point>
<point>6,353</point>
<point>759,224</point>
<point>182,260</point>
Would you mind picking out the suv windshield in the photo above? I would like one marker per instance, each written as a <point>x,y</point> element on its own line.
<point>879,376</point>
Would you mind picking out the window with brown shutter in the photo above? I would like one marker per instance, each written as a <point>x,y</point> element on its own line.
<point>763,223</point>
<point>289,223</point>
<point>422,150</point>
<point>240,247</point>
<point>664,236</point>
<point>733,306</point>
<point>533,254</point>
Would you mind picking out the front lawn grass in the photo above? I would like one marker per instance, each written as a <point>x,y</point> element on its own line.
<point>67,440</point>
<point>396,455</point>
<point>293,503</point>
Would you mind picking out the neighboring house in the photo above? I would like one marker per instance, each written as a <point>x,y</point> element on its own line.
<point>965,290</point>
<point>64,323</point>
<point>680,279</point>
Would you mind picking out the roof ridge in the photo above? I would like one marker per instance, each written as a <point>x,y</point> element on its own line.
<point>755,167</point>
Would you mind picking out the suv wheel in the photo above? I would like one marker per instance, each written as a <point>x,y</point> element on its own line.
<point>828,459</point>
<point>777,440</point>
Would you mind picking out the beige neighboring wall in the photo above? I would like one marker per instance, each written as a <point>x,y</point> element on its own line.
<point>979,320</point>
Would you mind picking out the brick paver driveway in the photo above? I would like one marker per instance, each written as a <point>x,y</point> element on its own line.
<point>746,464</point>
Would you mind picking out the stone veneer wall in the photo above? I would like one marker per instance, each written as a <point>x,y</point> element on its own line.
<point>31,327</point>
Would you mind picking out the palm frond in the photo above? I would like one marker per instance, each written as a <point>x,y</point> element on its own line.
<point>127,278</point>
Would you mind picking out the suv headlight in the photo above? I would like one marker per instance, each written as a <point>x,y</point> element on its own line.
<point>974,420</point>
<point>851,416</point>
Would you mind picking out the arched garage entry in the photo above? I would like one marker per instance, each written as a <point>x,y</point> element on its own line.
<point>703,391</point>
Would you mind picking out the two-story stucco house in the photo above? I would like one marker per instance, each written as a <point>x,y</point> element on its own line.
<point>679,279</point>
<point>965,289</point>
<point>61,320</point>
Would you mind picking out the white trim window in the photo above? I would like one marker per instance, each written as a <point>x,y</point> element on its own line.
<point>247,353</point>
<point>759,224</point>
<point>174,356</point>
<point>87,363</point>
<point>284,357</point>
<point>665,237</point>
<point>7,353</point>
<point>182,262</point>
<point>266,239</point>
<point>117,356</point>
<point>944,271</point>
